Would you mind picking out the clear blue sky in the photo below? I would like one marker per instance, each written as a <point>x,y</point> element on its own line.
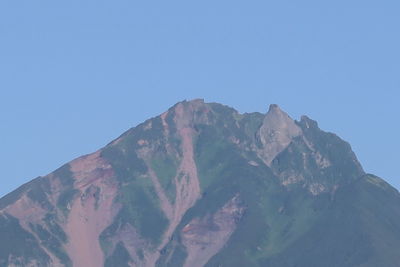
<point>76,74</point>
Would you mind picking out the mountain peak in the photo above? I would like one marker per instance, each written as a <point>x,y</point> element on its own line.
<point>274,108</point>
<point>277,114</point>
<point>201,185</point>
<point>194,101</point>
<point>307,122</point>
<point>276,132</point>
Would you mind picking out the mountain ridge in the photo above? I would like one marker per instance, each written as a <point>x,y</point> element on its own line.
<point>198,185</point>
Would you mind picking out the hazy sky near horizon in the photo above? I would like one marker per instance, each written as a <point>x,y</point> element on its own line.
<point>76,74</point>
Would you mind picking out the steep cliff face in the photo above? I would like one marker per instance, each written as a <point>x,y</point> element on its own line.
<point>203,185</point>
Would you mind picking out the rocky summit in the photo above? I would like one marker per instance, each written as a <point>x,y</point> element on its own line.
<point>204,185</point>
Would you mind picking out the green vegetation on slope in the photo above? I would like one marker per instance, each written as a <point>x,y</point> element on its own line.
<point>52,243</point>
<point>141,209</point>
<point>38,192</point>
<point>360,226</point>
<point>119,258</point>
<point>18,246</point>
<point>165,167</point>
<point>65,176</point>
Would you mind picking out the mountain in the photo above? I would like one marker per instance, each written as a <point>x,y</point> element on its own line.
<point>203,185</point>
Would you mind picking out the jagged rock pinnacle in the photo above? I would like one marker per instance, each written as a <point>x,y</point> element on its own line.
<point>276,132</point>
<point>273,107</point>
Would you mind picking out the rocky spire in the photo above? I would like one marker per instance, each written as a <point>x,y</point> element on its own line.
<point>276,133</point>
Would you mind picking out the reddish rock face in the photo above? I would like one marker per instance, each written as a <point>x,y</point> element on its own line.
<point>204,237</point>
<point>87,213</point>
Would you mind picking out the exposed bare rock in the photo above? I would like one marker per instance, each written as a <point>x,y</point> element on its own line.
<point>276,133</point>
<point>92,211</point>
<point>26,211</point>
<point>321,161</point>
<point>133,242</point>
<point>290,177</point>
<point>29,213</point>
<point>90,168</point>
<point>316,188</point>
<point>204,237</point>
<point>186,181</point>
<point>253,163</point>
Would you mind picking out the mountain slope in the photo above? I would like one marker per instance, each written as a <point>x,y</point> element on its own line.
<point>202,185</point>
